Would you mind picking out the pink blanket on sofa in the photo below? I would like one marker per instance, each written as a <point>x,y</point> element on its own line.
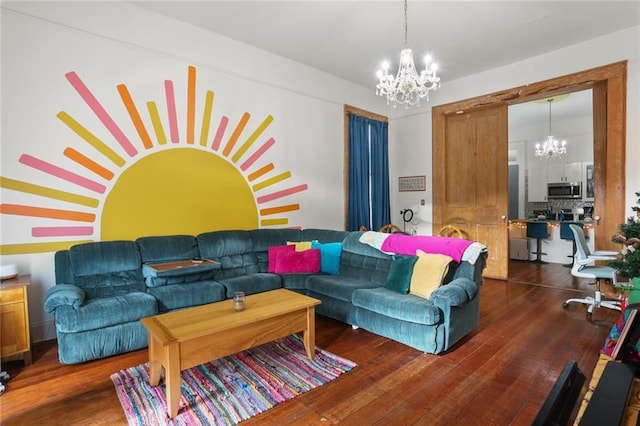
<point>406,244</point>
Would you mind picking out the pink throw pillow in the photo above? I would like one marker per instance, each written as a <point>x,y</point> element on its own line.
<point>298,262</point>
<point>274,252</point>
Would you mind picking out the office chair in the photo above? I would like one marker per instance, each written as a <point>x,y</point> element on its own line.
<point>584,267</point>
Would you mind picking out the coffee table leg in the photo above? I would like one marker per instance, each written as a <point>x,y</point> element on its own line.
<point>172,378</point>
<point>309,335</point>
<point>155,367</point>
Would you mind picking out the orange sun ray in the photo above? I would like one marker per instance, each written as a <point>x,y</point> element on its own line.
<point>20,210</point>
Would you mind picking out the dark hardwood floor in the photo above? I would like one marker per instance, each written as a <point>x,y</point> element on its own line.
<point>499,375</point>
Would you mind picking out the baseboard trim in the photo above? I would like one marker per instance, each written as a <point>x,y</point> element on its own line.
<point>43,331</point>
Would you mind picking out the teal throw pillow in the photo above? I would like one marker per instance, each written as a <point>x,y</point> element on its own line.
<point>399,277</point>
<point>330,254</point>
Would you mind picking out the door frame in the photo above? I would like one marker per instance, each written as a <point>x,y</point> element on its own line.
<point>609,85</point>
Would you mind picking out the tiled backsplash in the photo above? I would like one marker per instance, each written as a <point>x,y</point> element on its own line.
<point>556,205</point>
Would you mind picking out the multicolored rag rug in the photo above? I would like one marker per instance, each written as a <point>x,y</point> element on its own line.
<point>229,390</point>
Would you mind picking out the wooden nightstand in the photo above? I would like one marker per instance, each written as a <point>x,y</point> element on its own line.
<point>14,318</point>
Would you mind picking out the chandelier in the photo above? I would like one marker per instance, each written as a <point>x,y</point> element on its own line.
<point>551,147</point>
<point>407,87</point>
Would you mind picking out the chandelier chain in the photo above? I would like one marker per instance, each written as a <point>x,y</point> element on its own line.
<point>550,100</point>
<point>406,25</point>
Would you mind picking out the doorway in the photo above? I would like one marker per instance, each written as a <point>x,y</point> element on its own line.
<point>567,118</point>
<point>609,111</point>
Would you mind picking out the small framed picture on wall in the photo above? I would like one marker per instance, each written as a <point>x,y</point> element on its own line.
<point>412,183</point>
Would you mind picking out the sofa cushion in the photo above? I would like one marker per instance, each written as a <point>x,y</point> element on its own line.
<point>428,273</point>
<point>110,284</point>
<point>232,249</point>
<point>62,267</point>
<point>262,239</point>
<point>323,235</point>
<point>103,257</point>
<point>177,296</point>
<point>253,283</point>
<point>363,262</point>
<point>274,252</point>
<point>217,244</point>
<point>295,281</point>
<point>103,312</point>
<point>404,307</point>
<point>400,274</point>
<point>300,245</point>
<point>107,268</point>
<point>298,262</point>
<point>330,254</point>
<point>167,248</point>
<point>337,286</point>
<point>364,267</point>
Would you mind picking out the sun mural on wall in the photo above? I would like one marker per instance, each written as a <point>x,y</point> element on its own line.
<point>157,183</point>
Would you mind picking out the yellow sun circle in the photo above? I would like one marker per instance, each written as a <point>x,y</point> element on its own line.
<point>178,191</point>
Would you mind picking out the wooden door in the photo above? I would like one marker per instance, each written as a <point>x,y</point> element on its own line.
<point>470,179</point>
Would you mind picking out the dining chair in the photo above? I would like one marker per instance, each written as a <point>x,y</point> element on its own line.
<point>584,267</point>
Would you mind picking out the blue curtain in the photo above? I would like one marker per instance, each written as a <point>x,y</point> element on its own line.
<point>358,212</point>
<point>368,157</point>
<point>381,214</point>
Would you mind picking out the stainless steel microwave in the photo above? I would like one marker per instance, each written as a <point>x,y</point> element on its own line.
<point>564,190</point>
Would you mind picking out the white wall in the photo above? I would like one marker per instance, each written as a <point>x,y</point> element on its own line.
<point>108,44</point>
<point>410,155</point>
<point>410,135</point>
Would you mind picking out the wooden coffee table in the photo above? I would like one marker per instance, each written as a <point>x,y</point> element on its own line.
<point>182,339</point>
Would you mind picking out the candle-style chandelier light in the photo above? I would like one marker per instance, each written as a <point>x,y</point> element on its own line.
<point>551,147</point>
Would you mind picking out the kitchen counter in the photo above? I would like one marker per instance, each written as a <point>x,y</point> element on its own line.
<point>557,249</point>
<point>585,223</point>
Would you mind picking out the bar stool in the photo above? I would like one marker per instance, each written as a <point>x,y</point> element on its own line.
<point>567,234</point>
<point>539,231</point>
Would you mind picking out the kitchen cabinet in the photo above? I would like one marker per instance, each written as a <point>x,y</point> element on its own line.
<point>539,175</point>
<point>588,182</point>
<point>564,172</point>
<point>537,184</point>
<point>14,318</point>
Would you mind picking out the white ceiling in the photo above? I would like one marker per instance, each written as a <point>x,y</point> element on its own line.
<point>350,38</point>
<point>535,114</point>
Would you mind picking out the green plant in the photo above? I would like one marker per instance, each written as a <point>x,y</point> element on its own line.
<point>628,262</point>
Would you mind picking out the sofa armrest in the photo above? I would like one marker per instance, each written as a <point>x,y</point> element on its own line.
<point>63,295</point>
<point>456,293</point>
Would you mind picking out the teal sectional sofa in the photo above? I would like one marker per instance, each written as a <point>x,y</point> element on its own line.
<point>103,289</point>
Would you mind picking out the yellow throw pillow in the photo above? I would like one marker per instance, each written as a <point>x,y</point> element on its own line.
<point>428,273</point>
<point>300,246</point>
